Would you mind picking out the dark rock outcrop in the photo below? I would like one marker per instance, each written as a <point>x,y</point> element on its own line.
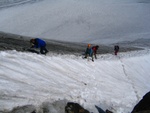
<point>75,108</point>
<point>144,105</point>
<point>100,110</point>
<point>10,41</point>
<point>24,109</point>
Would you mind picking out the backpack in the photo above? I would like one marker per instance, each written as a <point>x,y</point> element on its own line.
<point>116,48</point>
<point>94,48</point>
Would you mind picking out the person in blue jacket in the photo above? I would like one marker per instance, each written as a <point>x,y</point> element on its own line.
<point>89,52</point>
<point>39,43</point>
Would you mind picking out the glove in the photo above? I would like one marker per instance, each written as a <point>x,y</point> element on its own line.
<point>32,46</point>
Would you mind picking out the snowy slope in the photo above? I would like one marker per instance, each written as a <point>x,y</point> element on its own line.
<point>94,21</point>
<point>109,82</point>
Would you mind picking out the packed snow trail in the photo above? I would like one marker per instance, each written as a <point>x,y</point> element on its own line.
<point>130,80</point>
<point>28,78</point>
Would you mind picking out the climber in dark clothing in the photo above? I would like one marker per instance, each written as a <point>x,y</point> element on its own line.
<point>95,48</point>
<point>116,49</point>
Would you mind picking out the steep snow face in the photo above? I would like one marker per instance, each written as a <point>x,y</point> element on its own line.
<point>92,21</point>
<point>111,82</point>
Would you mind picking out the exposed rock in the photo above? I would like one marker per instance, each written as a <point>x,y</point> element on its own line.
<point>75,108</point>
<point>21,43</point>
<point>144,105</point>
<point>102,111</point>
<point>24,109</point>
<point>55,107</point>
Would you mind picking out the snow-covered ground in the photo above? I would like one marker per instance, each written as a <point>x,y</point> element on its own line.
<point>117,83</point>
<point>94,21</point>
<point>111,82</point>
